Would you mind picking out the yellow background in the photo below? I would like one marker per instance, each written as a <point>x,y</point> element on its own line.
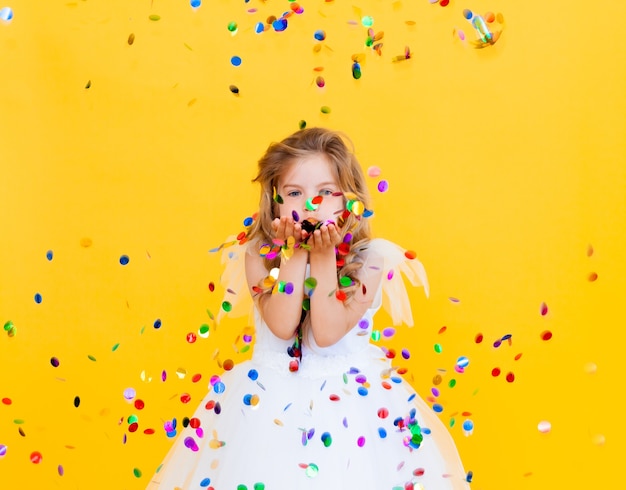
<point>505,165</point>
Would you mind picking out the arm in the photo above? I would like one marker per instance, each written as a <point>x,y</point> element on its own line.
<point>331,318</point>
<point>281,312</point>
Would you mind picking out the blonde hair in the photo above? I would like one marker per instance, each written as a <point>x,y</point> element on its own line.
<point>338,151</point>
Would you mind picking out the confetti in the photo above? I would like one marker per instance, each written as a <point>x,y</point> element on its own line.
<point>6,14</point>
<point>544,427</point>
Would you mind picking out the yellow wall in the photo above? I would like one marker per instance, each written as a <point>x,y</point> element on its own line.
<point>505,164</point>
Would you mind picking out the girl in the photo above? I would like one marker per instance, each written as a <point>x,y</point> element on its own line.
<point>317,406</point>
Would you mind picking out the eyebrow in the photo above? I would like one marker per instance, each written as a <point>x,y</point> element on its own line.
<point>323,184</point>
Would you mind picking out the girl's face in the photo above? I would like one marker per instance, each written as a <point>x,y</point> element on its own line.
<point>304,180</point>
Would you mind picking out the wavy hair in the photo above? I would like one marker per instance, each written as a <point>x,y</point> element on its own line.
<point>339,152</point>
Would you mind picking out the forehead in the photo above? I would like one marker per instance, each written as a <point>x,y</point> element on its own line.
<point>309,169</point>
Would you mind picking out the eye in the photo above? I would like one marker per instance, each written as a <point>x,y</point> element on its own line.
<point>294,193</point>
<point>326,192</point>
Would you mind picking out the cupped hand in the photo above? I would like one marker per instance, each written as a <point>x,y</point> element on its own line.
<point>326,238</point>
<point>285,227</point>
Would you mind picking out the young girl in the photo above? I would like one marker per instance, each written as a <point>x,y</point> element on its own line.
<point>317,406</point>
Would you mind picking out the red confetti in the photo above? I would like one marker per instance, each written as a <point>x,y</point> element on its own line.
<point>211,287</point>
<point>544,309</point>
<point>210,404</point>
<point>35,457</point>
<point>228,364</point>
<point>383,413</point>
<point>7,401</point>
<point>341,295</point>
<point>343,248</point>
<point>334,398</point>
<point>518,356</point>
<point>191,337</point>
<point>479,338</point>
<point>443,329</point>
<point>510,377</point>
<point>546,335</point>
<point>592,277</point>
<point>139,404</point>
<point>148,432</point>
<point>185,398</point>
<point>196,378</point>
<point>133,427</point>
<point>410,254</point>
<point>195,423</point>
<point>495,372</point>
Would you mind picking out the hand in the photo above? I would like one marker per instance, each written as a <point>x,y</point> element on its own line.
<point>326,238</point>
<point>285,227</point>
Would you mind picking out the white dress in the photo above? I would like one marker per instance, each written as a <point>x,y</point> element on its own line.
<point>345,420</point>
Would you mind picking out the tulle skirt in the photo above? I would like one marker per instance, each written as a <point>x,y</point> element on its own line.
<point>338,423</point>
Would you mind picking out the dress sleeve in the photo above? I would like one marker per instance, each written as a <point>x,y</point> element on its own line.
<point>395,298</point>
<point>233,280</point>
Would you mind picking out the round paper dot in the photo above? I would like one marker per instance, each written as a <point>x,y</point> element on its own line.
<point>599,439</point>
<point>235,61</point>
<point>311,470</point>
<point>124,259</point>
<point>383,186</point>
<point>3,450</point>
<point>546,335</point>
<point>36,457</point>
<point>6,14</point>
<point>373,171</point>
<point>38,298</point>
<point>49,255</point>
<point>591,368</point>
<point>544,426</point>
